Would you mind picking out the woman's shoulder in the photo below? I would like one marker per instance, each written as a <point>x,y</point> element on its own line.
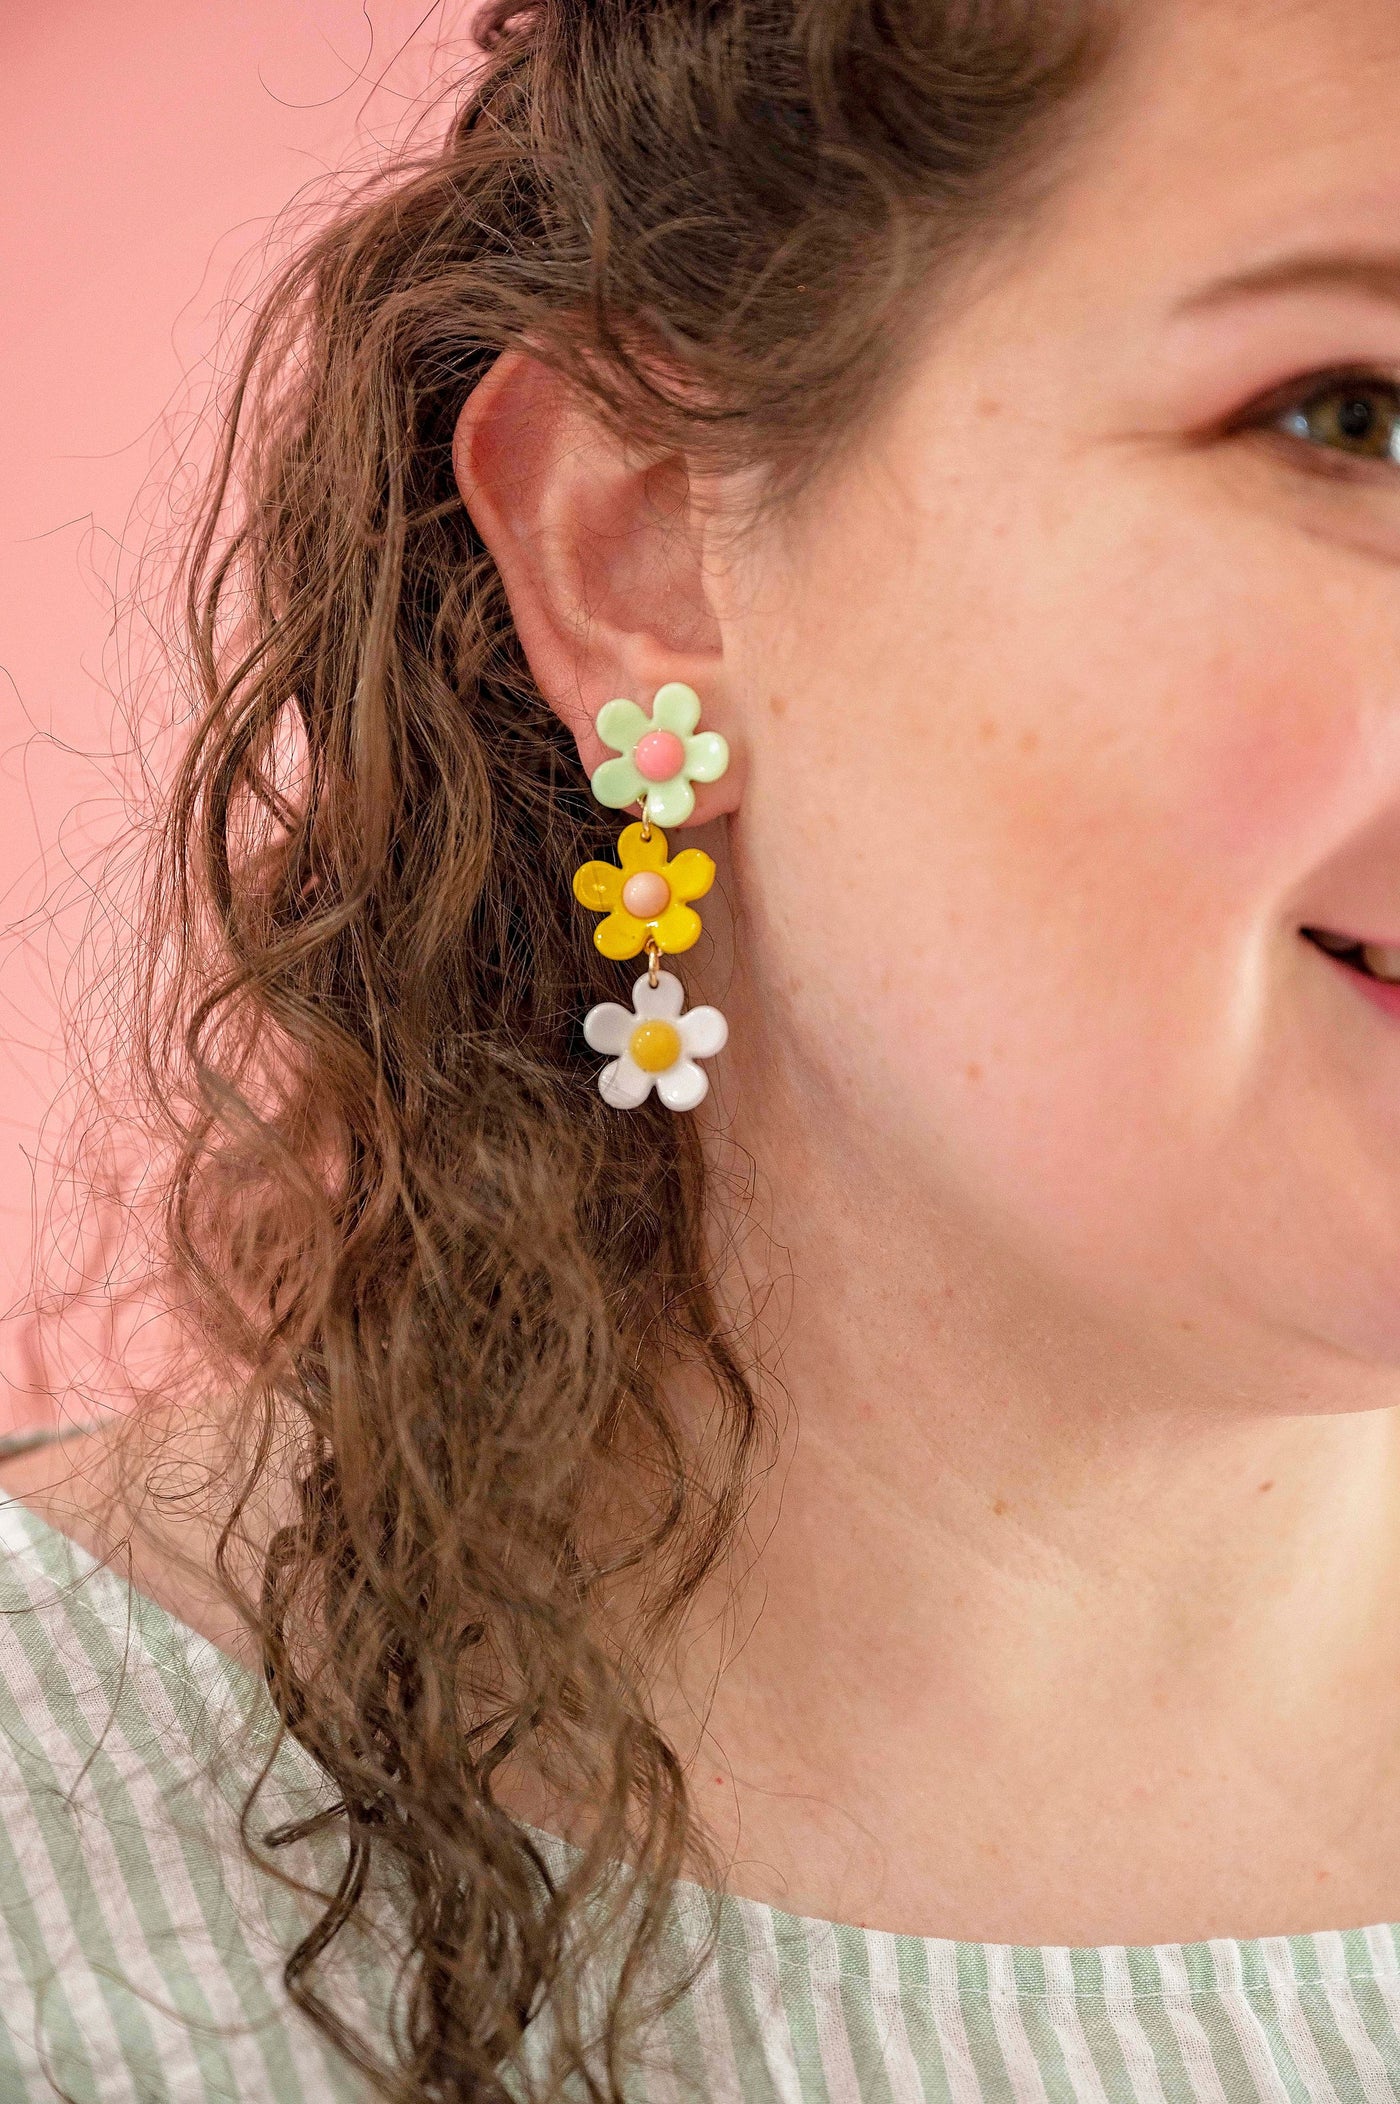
<point>83,1651</point>
<point>83,1486</point>
<point>141,1951</point>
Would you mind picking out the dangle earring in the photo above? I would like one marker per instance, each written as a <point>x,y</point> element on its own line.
<point>648,900</point>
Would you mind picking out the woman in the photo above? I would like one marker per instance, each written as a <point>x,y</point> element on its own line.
<point>942,1486</point>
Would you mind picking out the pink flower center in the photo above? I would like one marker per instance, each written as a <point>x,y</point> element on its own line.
<point>646,894</point>
<point>658,756</point>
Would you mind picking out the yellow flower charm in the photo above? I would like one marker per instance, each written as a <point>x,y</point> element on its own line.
<point>647,897</point>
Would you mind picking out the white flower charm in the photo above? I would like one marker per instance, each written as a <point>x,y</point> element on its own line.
<point>655,1046</point>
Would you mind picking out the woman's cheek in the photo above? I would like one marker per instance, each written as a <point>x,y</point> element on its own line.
<point>1019,963</point>
<point>1038,783</point>
<point>1269,766</point>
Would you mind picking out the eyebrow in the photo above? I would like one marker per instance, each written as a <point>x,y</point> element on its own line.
<point>1377,274</point>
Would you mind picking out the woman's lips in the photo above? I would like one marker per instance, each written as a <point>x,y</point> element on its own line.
<point>1349,954</point>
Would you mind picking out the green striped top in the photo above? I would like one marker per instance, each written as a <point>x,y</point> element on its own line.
<point>140,1955</point>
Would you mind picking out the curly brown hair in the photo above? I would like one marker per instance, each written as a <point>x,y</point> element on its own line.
<point>444,1282</point>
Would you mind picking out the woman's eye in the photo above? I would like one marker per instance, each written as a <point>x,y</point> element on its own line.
<point>1361,417</point>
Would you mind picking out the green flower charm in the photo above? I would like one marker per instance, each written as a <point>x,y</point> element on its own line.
<point>660,755</point>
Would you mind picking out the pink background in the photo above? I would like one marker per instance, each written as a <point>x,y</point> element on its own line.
<point>144,148</point>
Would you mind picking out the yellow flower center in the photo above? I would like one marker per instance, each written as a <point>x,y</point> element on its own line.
<point>655,1045</point>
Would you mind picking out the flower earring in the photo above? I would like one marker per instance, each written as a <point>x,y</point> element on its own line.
<point>647,898</point>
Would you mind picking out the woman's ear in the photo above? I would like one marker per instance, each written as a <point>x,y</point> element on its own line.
<point>600,552</point>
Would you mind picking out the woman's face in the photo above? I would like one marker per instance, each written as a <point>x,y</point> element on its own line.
<point>1072,698</point>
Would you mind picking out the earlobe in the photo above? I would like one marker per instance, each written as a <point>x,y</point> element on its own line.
<point>599,553</point>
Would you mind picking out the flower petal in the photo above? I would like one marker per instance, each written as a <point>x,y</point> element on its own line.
<point>608,1027</point>
<point>676,707</point>
<point>706,757</point>
<point>623,1084</point>
<point>703,1032</point>
<point>682,1086</point>
<point>691,874</point>
<point>598,885</point>
<point>635,853</point>
<point>620,935</point>
<point>668,803</point>
<point>617,783</point>
<point>677,929</point>
<point>666,998</point>
<point>621,723</point>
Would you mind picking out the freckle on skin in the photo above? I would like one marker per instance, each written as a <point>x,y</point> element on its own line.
<point>1267,1486</point>
<point>973,1071</point>
<point>1030,741</point>
<point>999,1506</point>
<point>778,704</point>
<point>988,729</point>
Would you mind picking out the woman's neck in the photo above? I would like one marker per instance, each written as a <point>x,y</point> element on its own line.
<point>1055,1630</point>
<point>1045,1629</point>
